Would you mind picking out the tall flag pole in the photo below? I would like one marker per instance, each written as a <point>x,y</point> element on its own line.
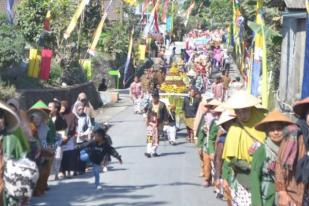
<point>126,68</point>
<point>75,18</point>
<point>188,12</point>
<point>165,8</point>
<point>305,84</point>
<point>99,29</point>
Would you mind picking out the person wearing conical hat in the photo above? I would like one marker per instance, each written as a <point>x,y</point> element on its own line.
<point>210,135</point>
<point>45,133</point>
<point>11,146</point>
<point>241,141</point>
<point>264,159</point>
<point>292,167</point>
<point>225,121</point>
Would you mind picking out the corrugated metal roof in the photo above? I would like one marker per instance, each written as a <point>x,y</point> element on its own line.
<point>295,4</point>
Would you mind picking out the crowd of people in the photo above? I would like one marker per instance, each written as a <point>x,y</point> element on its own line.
<point>54,138</point>
<point>249,155</point>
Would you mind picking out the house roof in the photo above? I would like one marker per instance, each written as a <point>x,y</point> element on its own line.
<point>295,4</point>
<point>289,4</point>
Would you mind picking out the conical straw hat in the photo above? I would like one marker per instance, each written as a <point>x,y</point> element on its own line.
<point>274,116</point>
<point>241,99</point>
<point>221,107</point>
<point>11,118</point>
<point>301,107</point>
<point>41,108</point>
<point>214,102</point>
<point>226,116</point>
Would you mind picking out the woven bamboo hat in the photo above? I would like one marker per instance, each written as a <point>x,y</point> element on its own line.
<point>41,108</point>
<point>214,102</point>
<point>241,99</point>
<point>226,116</point>
<point>301,107</point>
<point>274,116</point>
<point>11,118</point>
<point>221,107</point>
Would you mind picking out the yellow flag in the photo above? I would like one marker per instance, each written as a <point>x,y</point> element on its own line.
<point>36,70</point>
<point>142,51</point>
<point>32,58</point>
<point>97,35</point>
<point>75,18</point>
<point>87,66</point>
<point>130,2</point>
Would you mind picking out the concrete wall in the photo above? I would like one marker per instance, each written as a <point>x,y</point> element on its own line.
<point>292,59</point>
<point>29,97</point>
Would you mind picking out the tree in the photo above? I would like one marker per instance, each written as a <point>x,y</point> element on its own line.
<point>11,45</point>
<point>30,16</point>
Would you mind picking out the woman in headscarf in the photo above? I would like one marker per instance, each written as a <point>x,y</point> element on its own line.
<point>241,142</point>
<point>88,108</point>
<point>264,159</point>
<point>70,154</point>
<point>292,168</point>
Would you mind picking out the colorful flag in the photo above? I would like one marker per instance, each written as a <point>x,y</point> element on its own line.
<point>142,51</point>
<point>98,31</point>
<point>305,84</point>
<point>163,17</point>
<point>130,2</point>
<point>126,68</point>
<point>9,9</point>
<point>188,12</point>
<point>151,21</point>
<point>87,67</point>
<point>145,7</point>
<point>75,18</point>
<point>260,59</point>
<point>32,59</point>
<point>46,57</point>
<point>156,18</point>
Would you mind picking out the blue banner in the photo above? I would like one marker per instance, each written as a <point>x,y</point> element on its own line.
<point>305,86</point>
<point>169,24</point>
<point>256,71</point>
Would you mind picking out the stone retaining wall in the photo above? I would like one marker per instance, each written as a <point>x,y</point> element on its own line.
<point>30,96</point>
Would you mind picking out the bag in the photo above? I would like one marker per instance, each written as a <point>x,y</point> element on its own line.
<point>20,177</point>
<point>83,155</point>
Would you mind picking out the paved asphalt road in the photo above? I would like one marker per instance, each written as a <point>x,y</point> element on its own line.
<point>171,179</point>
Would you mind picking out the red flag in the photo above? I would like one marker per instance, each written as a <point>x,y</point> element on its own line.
<point>47,55</point>
<point>163,17</point>
<point>156,20</point>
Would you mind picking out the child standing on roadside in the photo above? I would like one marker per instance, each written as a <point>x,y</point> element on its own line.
<point>97,150</point>
<point>152,133</point>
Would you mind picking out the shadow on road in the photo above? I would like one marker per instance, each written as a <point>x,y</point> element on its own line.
<point>84,193</point>
<point>136,203</point>
<point>172,153</point>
